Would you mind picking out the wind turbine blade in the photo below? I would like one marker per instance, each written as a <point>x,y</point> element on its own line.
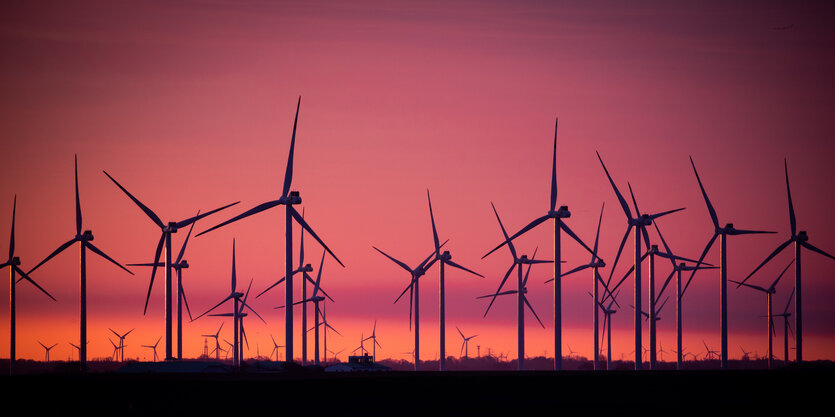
<point>809,246</point>
<point>751,232</point>
<point>318,277</point>
<point>667,281</point>
<point>301,245</point>
<point>257,209</point>
<point>597,235</point>
<point>26,277</point>
<point>792,220</point>
<point>459,332</point>
<point>331,327</point>
<point>568,231</point>
<point>185,242</point>
<point>432,218</point>
<point>701,258</point>
<point>144,208</point>
<point>304,224</point>
<point>508,240</point>
<point>145,264</point>
<point>622,201</point>
<point>620,250</point>
<point>11,241</point>
<point>271,286</point>
<point>154,270</point>
<point>577,269</point>
<point>97,251</point>
<point>634,203</point>
<point>791,296</point>
<point>607,292</point>
<point>779,249</point>
<point>77,201</point>
<point>455,265</point>
<point>216,306</point>
<point>774,284</point>
<point>51,255</point>
<point>185,301</point>
<point>664,213</point>
<point>288,174</point>
<point>402,265</point>
<point>191,220</point>
<point>710,208</point>
<point>525,299</point>
<point>666,246</point>
<point>554,169</point>
<point>645,234</point>
<point>253,312</point>
<point>431,257</point>
<point>748,285</point>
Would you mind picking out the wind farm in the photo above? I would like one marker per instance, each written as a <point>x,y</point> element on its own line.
<point>560,116</point>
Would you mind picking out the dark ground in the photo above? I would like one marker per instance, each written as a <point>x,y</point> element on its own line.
<point>789,391</point>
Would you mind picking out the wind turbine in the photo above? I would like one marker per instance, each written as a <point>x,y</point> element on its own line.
<point>652,252</point>
<point>241,315</point>
<point>178,266</point>
<point>786,327</point>
<point>235,296</point>
<point>315,299</point>
<point>640,224</point>
<point>14,267</point>
<point>376,343</point>
<point>85,242</point>
<point>594,264</point>
<point>303,269</point>
<point>800,240</point>
<point>115,349</point>
<point>327,327</point>
<point>216,336</point>
<point>746,355</point>
<point>47,349</point>
<point>465,343</point>
<point>607,317</point>
<point>361,348</point>
<point>722,233</point>
<point>288,199</point>
<point>122,341</point>
<point>558,216</point>
<point>521,299</point>
<point>164,239</point>
<point>154,347</point>
<point>335,354</point>
<point>768,293</point>
<point>276,346</point>
<point>678,268</point>
<point>443,259</point>
<point>711,354</point>
<point>414,294</point>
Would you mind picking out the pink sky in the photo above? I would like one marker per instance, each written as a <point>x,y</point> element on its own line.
<point>190,106</point>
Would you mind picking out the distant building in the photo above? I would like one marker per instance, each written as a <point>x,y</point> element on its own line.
<point>364,363</point>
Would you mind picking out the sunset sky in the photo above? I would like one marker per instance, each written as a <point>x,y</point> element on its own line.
<point>190,105</point>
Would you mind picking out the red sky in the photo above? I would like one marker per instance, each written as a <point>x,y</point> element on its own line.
<point>190,106</point>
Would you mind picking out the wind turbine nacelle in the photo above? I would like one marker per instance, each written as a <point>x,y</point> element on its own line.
<point>802,236</point>
<point>646,220</point>
<point>294,198</point>
<point>170,228</point>
<point>561,213</point>
<point>307,268</point>
<point>184,264</point>
<point>446,255</point>
<point>86,236</point>
<point>16,261</point>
